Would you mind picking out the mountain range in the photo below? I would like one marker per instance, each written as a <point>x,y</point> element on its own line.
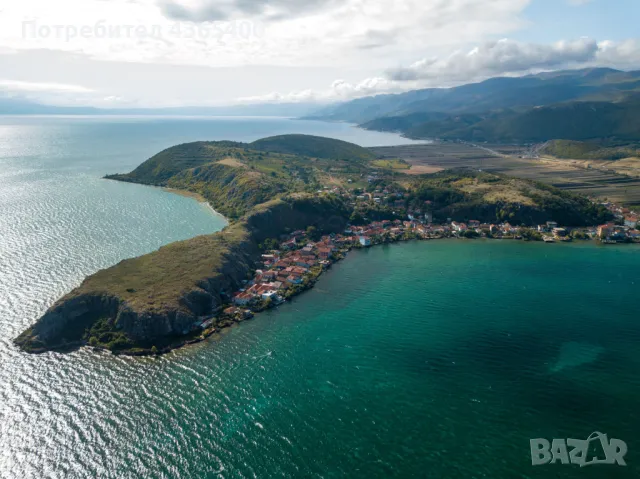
<point>600,104</point>
<point>596,105</point>
<point>12,105</point>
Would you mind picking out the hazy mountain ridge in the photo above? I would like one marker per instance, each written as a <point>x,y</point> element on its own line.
<point>22,106</point>
<point>589,104</point>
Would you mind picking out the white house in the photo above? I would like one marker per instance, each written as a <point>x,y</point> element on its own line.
<point>458,226</point>
<point>364,240</point>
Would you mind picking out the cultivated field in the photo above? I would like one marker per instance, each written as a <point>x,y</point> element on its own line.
<point>579,177</point>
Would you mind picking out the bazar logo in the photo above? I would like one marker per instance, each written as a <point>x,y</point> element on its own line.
<point>596,449</point>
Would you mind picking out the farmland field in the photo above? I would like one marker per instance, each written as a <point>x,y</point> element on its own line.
<point>593,180</point>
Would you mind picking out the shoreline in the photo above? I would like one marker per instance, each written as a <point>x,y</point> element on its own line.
<point>194,196</point>
<point>300,278</point>
<point>185,193</point>
<point>226,323</point>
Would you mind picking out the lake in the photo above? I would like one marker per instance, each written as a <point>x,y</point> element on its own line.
<point>421,359</point>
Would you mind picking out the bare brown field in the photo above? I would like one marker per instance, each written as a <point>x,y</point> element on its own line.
<point>422,169</point>
<point>233,162</point>
<point>598,182</point>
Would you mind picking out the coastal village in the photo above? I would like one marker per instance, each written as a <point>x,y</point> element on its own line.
<point>300,259</point>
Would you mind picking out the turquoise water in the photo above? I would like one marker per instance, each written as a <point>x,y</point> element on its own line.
<point>427,359</point>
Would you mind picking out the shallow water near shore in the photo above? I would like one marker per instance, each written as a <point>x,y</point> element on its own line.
<point>420,359</point>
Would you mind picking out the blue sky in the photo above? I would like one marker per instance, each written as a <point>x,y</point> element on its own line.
<point>601,19</point>
<point>122,53</point>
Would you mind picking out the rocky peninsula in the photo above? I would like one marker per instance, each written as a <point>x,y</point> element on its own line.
<point>268,189</point>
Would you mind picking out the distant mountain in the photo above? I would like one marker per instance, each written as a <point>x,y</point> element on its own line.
<point>493,94</point>
<point>18,106</point>
<point>597,103</point>
<point>570,121</point>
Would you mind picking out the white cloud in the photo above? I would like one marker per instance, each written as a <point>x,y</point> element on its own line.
<point>497,58</point>
<point>501,58</point>
<point>625,54</point>
<point>24,86</point>
<point>353,39</point>
<point>208,10</point>
<point>339,90</point>
<point>277,32</point>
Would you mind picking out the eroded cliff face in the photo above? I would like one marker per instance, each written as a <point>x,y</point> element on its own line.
<point>159,296</point>
<point>66,322</point>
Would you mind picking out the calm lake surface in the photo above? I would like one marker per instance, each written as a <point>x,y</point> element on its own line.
<point>425,359</point>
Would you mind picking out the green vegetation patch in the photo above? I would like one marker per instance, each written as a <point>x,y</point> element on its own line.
<point>392,164</point>
<point>582,150</point>
<point>313,146</point>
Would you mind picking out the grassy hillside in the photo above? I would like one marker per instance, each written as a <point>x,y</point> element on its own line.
<point>402,123</point>
<point>569,121</point>
<point>233,190</point>
<point>312,146</point>
<point>582,150</point>
<point>235,177</point>
<point>466,194</point>
<point>580,121</point>
<point>159,168</point>
<point>158,280</point>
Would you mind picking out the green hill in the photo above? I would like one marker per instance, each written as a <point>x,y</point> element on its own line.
<point>579,121</point>
<point>234,177</point>
<point>232,190</point>
<point>465,194</point>
<point>582,150</point>
<point>159,168</point>
<point>219,171</point>
<point>313,146</point>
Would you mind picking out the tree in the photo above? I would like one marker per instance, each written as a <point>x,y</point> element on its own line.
<point>356,218</point>
<point>313,233</point>
<point>269,244</point>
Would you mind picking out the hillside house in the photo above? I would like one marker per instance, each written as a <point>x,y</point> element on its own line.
<point>242,299</point>
<point>324,253</point>
<point>458,227</point>
<point>630,221</point>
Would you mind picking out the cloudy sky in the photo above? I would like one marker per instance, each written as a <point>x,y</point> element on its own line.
<point>121,53</point>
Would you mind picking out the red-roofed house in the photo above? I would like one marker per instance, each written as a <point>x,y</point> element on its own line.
<point>242,299</point>
<point>324,253</point>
